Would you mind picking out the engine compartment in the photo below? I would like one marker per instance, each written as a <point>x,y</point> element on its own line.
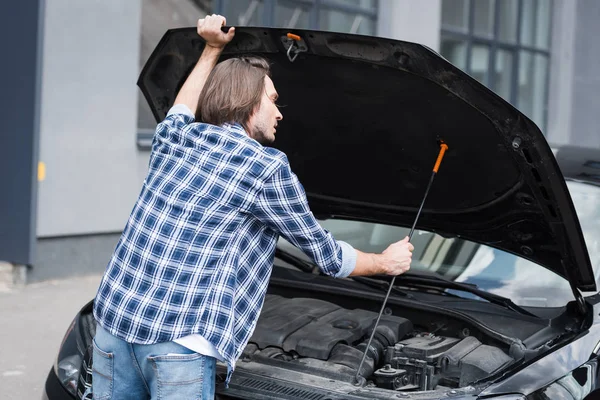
<point>321,338</point>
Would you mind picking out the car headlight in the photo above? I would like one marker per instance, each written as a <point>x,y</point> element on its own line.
<point>67,371</point>
<point>73,363</point>
<point>68,362</point>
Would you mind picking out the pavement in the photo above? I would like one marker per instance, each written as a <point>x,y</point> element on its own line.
<point>34,319</point>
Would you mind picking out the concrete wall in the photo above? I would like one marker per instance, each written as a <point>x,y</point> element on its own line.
<point>88,116</point>
<point>64,257</point>
<point>412,21</point>
<point>574,92</point>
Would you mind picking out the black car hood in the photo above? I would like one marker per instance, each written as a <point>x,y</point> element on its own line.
<point>362,117</point>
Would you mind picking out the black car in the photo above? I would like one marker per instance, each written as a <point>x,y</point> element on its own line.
<point>500,302</point>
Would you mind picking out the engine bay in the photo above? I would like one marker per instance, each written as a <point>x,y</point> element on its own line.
<point>321,338</point>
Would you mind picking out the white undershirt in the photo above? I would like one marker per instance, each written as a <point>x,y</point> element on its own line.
<point>200,345</point>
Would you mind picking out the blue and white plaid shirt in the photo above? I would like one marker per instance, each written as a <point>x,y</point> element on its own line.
<point>196,254</point>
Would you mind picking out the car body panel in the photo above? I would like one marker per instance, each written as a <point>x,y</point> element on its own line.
<point>556,364</point>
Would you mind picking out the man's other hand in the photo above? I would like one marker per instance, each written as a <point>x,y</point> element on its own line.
<point>209,29</point>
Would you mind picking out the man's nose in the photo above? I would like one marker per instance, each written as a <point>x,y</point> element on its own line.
<point>279,116</point>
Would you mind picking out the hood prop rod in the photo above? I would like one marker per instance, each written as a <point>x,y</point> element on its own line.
<point>359,380</point>
<point>579,300</point>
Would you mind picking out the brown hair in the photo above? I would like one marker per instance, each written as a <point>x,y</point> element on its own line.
<point>233,91</point>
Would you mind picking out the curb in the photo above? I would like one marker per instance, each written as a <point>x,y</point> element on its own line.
<point>12,276</point>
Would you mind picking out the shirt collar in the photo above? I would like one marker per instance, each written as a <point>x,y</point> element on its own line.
<point>238,129</point>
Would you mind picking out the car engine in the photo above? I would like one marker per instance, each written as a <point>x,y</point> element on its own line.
<point>321,338</point>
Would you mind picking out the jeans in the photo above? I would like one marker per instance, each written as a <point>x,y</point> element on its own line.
<point>122,370</point>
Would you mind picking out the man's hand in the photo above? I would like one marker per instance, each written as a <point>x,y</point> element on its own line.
<point>397,257</point>
<point>209,29</point>
<point>394,260</point>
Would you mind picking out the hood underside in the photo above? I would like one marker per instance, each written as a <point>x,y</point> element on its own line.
<point>362,120</point>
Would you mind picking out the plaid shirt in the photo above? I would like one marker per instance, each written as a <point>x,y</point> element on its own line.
<point>196,254</point>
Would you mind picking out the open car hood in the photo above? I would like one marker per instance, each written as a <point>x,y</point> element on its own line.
<point>362,117</point>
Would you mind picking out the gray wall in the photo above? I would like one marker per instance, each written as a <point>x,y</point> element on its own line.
<point>574,92</point>
<point>89,116</point>
<point>64,257</point>
<point>412,21</point>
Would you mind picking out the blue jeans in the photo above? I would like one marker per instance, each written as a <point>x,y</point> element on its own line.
<point>123,370</point>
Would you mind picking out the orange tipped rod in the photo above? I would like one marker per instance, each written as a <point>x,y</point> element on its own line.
<point>294,37</point>
<point>443,148</point>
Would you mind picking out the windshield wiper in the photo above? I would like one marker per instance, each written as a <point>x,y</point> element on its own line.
<point>422,277</point>
<point>429,278</point>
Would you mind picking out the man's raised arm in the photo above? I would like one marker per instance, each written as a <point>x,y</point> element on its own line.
<point>209,29</point>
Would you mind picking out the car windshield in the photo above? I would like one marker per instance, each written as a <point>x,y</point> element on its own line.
<point>492,270</point>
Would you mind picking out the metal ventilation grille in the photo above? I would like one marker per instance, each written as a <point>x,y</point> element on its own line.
<point>284,392</point>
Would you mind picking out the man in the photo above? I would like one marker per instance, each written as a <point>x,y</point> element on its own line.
<point>188,277</point>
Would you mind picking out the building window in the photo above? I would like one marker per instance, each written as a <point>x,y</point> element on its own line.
<point>504,44</point>
<point>349,16</point>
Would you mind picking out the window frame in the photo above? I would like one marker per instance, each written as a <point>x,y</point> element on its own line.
<point>495,44</point>
<point>314,7</point>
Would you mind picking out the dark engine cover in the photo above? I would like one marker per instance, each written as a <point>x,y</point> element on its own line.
<point>313,327</point>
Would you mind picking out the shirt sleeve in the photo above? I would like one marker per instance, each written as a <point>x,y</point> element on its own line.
<point>182,110</point>
<point>282,206</point>
<point>168,130</point>
<point>178,117</point>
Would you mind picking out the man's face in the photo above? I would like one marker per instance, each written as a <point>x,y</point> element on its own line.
<point>263,123</point>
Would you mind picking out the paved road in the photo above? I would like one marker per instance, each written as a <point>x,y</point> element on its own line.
<point>33,320</point>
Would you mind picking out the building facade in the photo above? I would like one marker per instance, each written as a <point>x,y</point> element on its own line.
<point>91,137</point>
